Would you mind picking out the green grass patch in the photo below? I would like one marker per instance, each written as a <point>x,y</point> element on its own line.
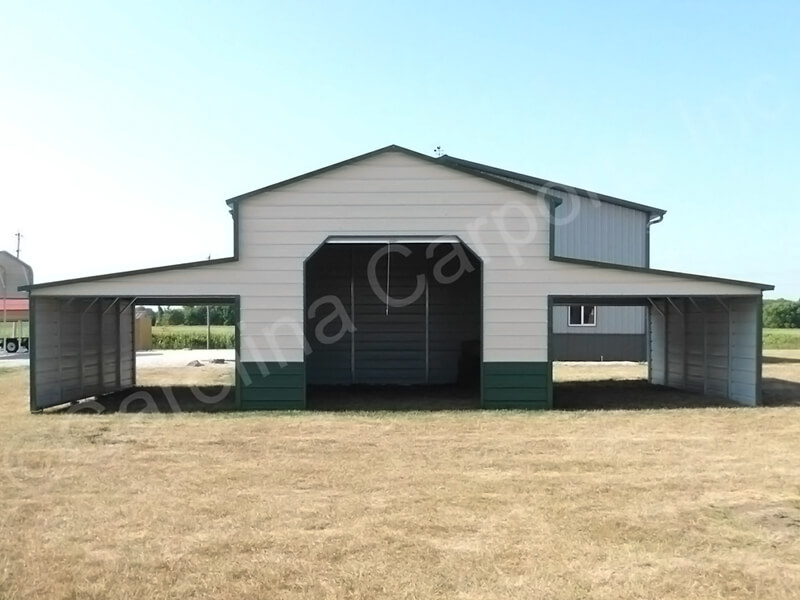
<point>176,337</point>
<point>782,339</point>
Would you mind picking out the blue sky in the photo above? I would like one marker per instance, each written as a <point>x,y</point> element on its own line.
<point>125,126</point>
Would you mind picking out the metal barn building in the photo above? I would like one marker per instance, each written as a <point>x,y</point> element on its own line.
<point>14,307</point>
<point>398,269</point>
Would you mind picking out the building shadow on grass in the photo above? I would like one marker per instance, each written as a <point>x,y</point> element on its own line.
<point>635,394</point>
<point>158,399</point>
<point>779,392</point>
<point>640,395</point>
<point>215,399</point>
<point>392,398</point>
<point>568,396</point>
<point>776,360</point>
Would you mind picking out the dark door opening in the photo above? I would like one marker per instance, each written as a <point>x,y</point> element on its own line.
<point>393,324</point>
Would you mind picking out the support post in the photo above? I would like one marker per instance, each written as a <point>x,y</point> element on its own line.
<point>666,343</point>
<point>61,348</point>
<point>100,360</point>
<point>352,318</point>
<point>427,331</point>
<point>685,343</point>
<point>705,354</point>
<point>729,382</point>
<point>118,343</point>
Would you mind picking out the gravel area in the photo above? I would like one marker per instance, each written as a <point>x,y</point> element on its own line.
<point>181,358</point>
<point>16,360</point>
<point>151,358</point>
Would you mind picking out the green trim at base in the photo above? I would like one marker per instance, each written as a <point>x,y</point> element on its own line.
<point>516,385</point>
<point>271,386</point>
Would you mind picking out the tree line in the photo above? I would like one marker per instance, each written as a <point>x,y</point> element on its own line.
<point>782,314</point>
<point>194,315</point>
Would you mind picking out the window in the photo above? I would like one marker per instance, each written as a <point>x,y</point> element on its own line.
<point>582,316</point>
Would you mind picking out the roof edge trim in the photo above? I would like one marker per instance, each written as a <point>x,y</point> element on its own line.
<point>474,166</point>
<point>174,267</point>
<point>694,276</point>
<point>393,148</point>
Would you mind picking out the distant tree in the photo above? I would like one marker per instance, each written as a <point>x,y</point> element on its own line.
<point>228,315</point>
<point>217,316</point>
<point>195,315</point>
<point>176,317</point>
<point>782,314</point>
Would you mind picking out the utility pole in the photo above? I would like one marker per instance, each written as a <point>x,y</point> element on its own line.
<point>19,236</point>
<point>208,322</point>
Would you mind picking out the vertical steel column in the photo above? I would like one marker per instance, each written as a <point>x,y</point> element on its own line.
<point>133,348</point>
<point>730,354</point>
<point>666,343</point>
<point>705,350</point>
<point>81,366</point>
<point>100,358</point>
<point>61,348</point>
<point>352,317</point>
<point>427,331</point>
<point>118,339</point>
<point>685,343</point>
<point>729,382</point>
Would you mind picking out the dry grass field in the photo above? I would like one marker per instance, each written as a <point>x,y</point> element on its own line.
<point>684,504</point>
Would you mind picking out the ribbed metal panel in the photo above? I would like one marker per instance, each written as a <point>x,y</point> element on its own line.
<point>604,347</point>
<point>594,230</point>
<point>13,274</point>
<point>608,320</point>
<point>707,345</point>
<point>83,347</point>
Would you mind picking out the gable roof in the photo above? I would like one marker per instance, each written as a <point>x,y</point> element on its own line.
<point>392,148</point>
<point>518,181</point>
<point>4,254</point>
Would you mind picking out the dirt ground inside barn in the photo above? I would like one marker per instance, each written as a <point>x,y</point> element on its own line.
<point>701,502</point>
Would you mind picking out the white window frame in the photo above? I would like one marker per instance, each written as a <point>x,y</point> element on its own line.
<point>592,311</point>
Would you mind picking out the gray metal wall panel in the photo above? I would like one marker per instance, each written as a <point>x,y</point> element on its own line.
<point>708,346</point>
<point>594,230</point>
<point>608,319</point>
<point>13,274</point>
<point>657,363</point>
<point>78,349</point>
<point>328,273</point>
<point>127,354</point>
<point>605,347</point>
<point>745,361</point>
<point>676,349</point>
